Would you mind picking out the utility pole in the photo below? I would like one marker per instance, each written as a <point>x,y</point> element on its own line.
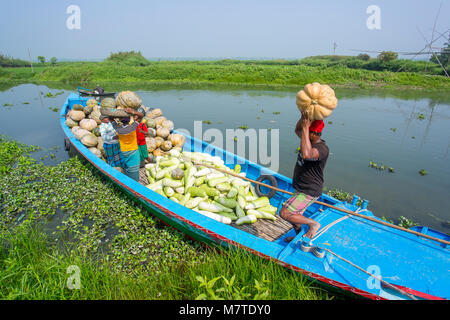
<point>31,63</point>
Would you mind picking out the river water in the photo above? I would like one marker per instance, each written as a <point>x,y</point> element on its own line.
<point>406,130</point>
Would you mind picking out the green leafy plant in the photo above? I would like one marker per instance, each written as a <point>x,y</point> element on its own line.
<point>406,223</point>
<point>230,290</point>
<point>387,220</point>
<point>387,56</point>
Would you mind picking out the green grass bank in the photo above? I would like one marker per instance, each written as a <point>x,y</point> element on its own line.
<point>276,73</point>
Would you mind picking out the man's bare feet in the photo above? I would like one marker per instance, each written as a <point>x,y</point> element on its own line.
<point>313,227</point>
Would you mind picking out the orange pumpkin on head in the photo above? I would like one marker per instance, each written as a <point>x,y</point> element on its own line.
<point>318,100</point>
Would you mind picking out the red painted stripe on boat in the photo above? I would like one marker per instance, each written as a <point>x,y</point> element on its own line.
<point>416,293</point>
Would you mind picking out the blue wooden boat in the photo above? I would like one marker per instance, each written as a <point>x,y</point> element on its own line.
<point>417,266</point>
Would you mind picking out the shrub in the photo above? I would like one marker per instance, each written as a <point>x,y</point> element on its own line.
<point>129,58</point>
<point>364,57</point>
<point>8,62</point>
<point>387,56</point>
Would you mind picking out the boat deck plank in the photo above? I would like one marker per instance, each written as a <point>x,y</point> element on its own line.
<point>267,229</point>
<point>143,179</point>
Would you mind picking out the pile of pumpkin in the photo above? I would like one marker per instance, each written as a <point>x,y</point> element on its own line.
<point>84,122</point>
<point>160,128</point>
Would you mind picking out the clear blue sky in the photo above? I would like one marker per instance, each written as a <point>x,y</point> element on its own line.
<point>200,28</point>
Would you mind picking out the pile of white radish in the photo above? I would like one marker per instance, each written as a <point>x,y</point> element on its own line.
<point>214,194</point>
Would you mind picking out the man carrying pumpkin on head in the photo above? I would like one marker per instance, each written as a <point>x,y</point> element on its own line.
<point>308,175</point>
<point>128,144</point>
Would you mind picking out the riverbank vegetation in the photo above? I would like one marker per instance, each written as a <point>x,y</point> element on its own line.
<point>54,217</point>
<point>338,71</point>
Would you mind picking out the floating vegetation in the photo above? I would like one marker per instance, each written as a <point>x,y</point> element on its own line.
<point>258,118</point>
<point>276,112</point>
<point>235,139</point>
<point>243,127</point>
<point>423,172</point>
<point>207,121</point>
<point>393,129</point>
<point>343,196</point>
<point>50,95</point>
<point>421,116</point>
<point>387,220</point>
<point>262,110</point>
<point>330,122</point>
<point>380,167</point>
<point>8,105</point>
<point>25,102</point>
<point>76,190</point>
<point>406,223</point>
<point>53,109</point>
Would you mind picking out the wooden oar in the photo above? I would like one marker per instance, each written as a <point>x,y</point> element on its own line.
<point>323,203</point>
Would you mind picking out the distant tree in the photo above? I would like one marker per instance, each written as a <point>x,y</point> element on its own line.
<point>387,56</point>
<point>363,56</point>
<point>41,59</point>
<point>53,60</point>
<point>130,58</point>
<point>444,55</point>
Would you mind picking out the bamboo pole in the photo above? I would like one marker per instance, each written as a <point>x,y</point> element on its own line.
<point>31,63</point>
<point>379,279</point>
<point>324,204</point>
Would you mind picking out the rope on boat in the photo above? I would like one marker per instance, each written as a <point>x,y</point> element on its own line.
<point>328,226</point>
<point>377,278</point>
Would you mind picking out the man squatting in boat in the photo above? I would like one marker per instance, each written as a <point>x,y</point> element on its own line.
<point>308,175</point>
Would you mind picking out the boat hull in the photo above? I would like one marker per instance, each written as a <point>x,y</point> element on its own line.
<point>328,271</point>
